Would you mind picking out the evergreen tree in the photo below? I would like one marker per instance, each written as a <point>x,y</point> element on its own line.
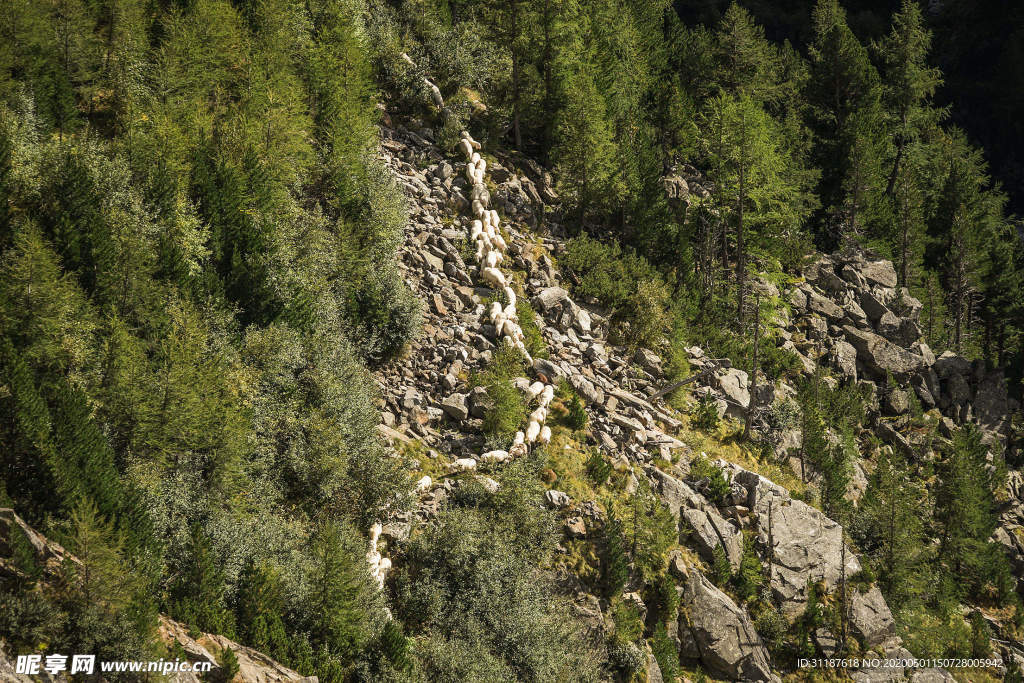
<point>341,593</point>
<point>890,527</point>
<point>908,84</point>
<point>965,510</point>
<point>259,610</point>
<point>844,97</point>
<point>615,561</point>
<point>585,150</point>
<point>196,593</point>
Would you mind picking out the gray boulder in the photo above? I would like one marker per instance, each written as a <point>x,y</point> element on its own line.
<point>456,407</point>
<point>710,530</point>
<point>870,617</point>
<point>878,272</point>
<point>713,630</point>
<point>734,384</point>
<point>549,298</point>
<point>881,355</point>
<point>816,303</point>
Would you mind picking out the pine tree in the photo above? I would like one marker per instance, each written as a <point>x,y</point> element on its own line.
<point>259,610</point>
<point>965,510</point>
<point>340,593</point>
<point>196,595</point>
<point>890,527</point>
<point>615,561</point>
<point>585,150</point>
<point>844,95</point>
<point>394,646</point>
<point>908,83</point>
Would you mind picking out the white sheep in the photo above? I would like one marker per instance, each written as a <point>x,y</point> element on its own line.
<point>495,456</point>
<point>510,296</point>
<point>464,464</point>
<point>424,483</point>
<point>510,308</point>
<point>407,59</point>
<point>475,159</point>
<point>494,277</point>
<point>495,310</point>
<point>499,241</point>
<point>535,389</point>
<point>549,393</point>
<point>466,148</point>
<point>545,435</point>
<point>532,432</point>
<point>495,219</point>
<point>540,414</point>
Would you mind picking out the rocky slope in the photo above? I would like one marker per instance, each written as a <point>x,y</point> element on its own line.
<point>846,313</point>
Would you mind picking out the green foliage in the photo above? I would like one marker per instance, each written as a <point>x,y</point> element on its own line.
<point>614,559</point>
<point>228,665</point>
<point>196,596</point>
<point>577,417</point>
<point>535,344</point>
<point>705,414</point>
<point>965,510</point>
<point>719,486</point>
<point>598,467</point>
<point>471,584</point>
<point>750,576</point>
<point>666,653</point>
<point>721,570</point>
<point>508,407</point>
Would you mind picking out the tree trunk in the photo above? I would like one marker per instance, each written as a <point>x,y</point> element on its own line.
<point>753,370</point>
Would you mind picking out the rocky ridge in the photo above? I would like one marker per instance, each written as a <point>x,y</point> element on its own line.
<point>427,399</point>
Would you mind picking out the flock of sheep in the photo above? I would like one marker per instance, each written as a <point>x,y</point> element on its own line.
<point>490,250</point>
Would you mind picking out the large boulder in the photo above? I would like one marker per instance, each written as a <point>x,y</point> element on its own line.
<point>816,303</point>
<point>870,617</point>
<point>713,630</point>
<point>878,272</point>
<point>807,545</point>
<point>734,383</point>
<point>881,355</point>
<point>709,530</point>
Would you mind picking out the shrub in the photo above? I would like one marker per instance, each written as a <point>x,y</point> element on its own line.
<point>577,417</point>
<point>665,653</point>
<point>598,468</point>
<point>647,314</point>
<point>705,414</point>
<point>508,408</point>
<point>721,570</point>
<point>719,486</point>
<point>535,345</point>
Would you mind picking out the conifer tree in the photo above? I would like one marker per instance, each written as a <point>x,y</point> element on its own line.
<point>340,593</point>
<point>890,527</point>
<point>908,84</point>
<point>196,594</point>
<point>844,96</point>
<point>965,510</point>
<point>259,610</point>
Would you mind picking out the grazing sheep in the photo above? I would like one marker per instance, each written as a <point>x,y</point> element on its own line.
<point>545,435</point>
<point>464,464</point>
<point>494,277</point>
<point>532,432</point>
<point>495,456</point>
<point>423,484</point>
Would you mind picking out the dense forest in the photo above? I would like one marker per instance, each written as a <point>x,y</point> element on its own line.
<point>199,280</point>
